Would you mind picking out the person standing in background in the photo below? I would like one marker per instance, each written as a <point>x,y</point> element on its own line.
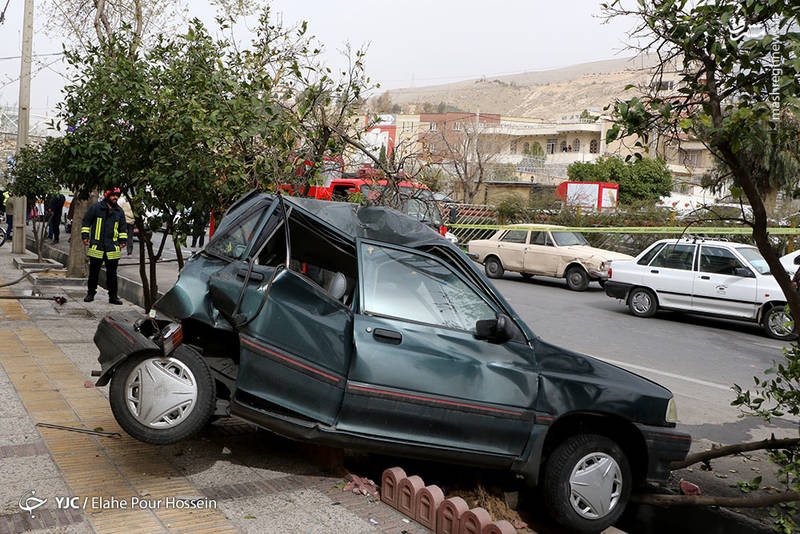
<point>56,210</point>
<point>104,231</point>
<point>126,208</point>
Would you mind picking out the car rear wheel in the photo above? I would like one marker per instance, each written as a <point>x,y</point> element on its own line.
<point>493,267</point>
<point>776,324</point>
<point>577,278</point>
<point>587,483</point>
<point>162,400</point>
<point>642,302</point>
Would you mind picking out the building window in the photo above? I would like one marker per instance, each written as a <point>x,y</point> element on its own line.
<point>691,158</point>
<point>433,126</point>
<point>513,147</point>
<point>551,146</point>
<point>526,148</point>
<point>576,145</point>
<point>563,146</point>
<point>593,147</point>
<point>456,125</point>
<point>663,85</point>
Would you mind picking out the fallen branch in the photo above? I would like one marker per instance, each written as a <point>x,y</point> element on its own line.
<point>727,450</point>
<point>761,501</point>
<point>81,430</point>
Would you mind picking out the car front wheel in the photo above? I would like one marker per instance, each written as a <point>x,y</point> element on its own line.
<point>162,400</point>
<point>494,269</point>
<point>642,302</point>
<point>777,324</point>
<point>577,279</point>
<point>587,483</point>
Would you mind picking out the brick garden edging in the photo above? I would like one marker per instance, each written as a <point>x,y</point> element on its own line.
<point>427,506</point>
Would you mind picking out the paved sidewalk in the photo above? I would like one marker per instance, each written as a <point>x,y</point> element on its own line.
<point>257,482</point>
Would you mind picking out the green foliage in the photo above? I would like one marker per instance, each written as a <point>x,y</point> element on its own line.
<point>776,394</point>
<point>511,208</point>
<point>192,122</point>
<point>31,173</point>
<point>643,179</point>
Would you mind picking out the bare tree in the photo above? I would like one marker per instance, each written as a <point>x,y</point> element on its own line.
<point>465,149</point>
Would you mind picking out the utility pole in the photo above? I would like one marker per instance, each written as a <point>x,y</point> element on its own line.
<point>23,123</point>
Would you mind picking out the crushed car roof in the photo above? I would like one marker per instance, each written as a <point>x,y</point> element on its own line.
<point>371,222</point>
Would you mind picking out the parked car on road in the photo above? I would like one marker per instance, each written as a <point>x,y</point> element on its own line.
<point>703,276</point>
<point>361,327</point>
<point>545,250</point>
<point>791,262</point>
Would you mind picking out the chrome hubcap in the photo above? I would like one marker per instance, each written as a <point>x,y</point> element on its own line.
<point>779,322</point>
<point>641,302</point>
<point>161,392</point>
<point>595,485</point>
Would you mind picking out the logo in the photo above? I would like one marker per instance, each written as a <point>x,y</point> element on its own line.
<point>29,502</point>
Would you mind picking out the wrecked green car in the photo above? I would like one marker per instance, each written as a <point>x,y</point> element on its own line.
<point>360,327</point>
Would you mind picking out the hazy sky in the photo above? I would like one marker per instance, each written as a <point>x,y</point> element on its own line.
<point>410,42</point>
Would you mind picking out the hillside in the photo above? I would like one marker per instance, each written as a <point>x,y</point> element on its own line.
<point>550,94</point>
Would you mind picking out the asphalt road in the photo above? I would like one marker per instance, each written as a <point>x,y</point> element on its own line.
<point>697,358</point>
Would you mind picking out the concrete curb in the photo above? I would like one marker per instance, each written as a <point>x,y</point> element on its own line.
<point>127,288</point>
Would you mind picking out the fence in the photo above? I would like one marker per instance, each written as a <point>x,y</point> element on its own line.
<point>638,230</point>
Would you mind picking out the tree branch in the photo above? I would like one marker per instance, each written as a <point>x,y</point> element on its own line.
<point>728,450</point>
<point>761,501</point>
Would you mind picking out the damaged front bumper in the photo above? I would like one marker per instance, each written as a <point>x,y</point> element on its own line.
<point>118,339</point>
<point>664,446</point>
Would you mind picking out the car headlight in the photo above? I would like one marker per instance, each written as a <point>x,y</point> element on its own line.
<point>604,265</point>
<point>672,411</point>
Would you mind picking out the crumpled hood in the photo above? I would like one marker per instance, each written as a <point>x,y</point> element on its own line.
<point>606,255</point>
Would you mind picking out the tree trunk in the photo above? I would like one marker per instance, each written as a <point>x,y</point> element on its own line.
<point>178,251</point>
<point>143,239</point>
<point>76,262</point>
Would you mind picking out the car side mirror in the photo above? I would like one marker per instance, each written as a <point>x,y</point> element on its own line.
<point>743,272</point>
<point>498,330</point>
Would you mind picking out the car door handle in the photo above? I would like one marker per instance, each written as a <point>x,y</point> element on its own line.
<point>387,336</point>
<point>704,277</point>
<point>254,277</point>
<point>654,271</point>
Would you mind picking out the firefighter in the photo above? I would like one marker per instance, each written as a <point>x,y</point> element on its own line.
<point>105,233</point>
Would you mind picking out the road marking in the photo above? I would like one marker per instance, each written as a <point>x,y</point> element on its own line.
<point>664,373</point>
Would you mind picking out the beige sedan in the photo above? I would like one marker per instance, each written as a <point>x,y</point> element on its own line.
<point>545,250</point>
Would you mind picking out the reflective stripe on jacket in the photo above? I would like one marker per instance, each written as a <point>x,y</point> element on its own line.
<point>104,226</point>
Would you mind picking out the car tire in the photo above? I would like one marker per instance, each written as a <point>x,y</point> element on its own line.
<point>493,267</point>
<point>577,278</point>
<point>526,276</point>
<point>582,462</point>
<point>773,322</point>
<point>642,302</point>
<point>146,383</point>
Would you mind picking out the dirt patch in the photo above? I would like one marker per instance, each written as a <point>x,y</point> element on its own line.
<point>493,501</point>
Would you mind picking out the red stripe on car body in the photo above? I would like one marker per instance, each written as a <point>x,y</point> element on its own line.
<point>295,362</point>
<point>430,399</point>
